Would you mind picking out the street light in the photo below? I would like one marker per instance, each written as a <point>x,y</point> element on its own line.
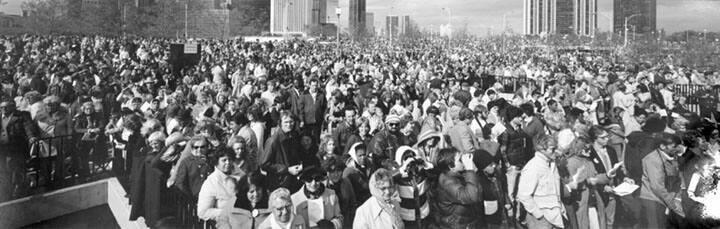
<point>449,24</point>
<point>626,27</point>
<point>338,11</point>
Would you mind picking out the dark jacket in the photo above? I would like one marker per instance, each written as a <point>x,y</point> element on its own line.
<point>312,111</point>
<point>191,173</point>
<point>516,146</point>
<point>383,146</point>
<point>456,201</point>
<point>20,129</point>
<point>282,150</point>
<point>341,135</point>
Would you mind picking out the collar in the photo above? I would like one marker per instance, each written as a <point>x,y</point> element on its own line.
<point>275,225</point>
<point>314,195</point>
<point>665,156</point>
<point>544,158</point>
<point>221,175</point>
<point>375,208</point>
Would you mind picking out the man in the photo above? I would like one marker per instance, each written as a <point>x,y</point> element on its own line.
<point>240,126</point>
<point>539,187</point>
<point>462,137</point>
<point>531,125</point>
<point>516,147</point>
<point>295,92</point>
<point>282,214</point>
<point>661,184</point>
<point>382,210</point>
<point>281,149</point>
<point>17,132</point>
<point>458,195</point>
<point>384,144</point>
<point>345,129</point>
<point>313,106</point>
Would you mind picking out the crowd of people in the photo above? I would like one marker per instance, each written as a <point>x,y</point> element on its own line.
<point>410,134</point>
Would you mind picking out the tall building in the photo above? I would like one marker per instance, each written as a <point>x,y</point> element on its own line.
<point>560,17</point>
<point>292,16</point>
<point>370,23</point>
<point>392,25</point>
<point>645,22</point>
<point>352,16</point>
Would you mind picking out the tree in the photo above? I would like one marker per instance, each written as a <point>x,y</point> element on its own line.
<point>46,16</point>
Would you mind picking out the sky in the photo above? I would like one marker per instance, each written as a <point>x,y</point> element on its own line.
<point>483,16</point>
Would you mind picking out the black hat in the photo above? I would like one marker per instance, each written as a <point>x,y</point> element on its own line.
<point>482,158</point>
<point>312,172</point>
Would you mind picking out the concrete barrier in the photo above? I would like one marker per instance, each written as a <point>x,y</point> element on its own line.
<point>33,209</point>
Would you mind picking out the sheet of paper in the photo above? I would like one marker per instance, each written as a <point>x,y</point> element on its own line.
<point>315,211</point>
<point>625,189</point>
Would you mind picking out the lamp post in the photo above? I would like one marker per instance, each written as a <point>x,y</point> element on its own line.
<point>626,27</point>
<point>449,24</point>
<point>338,11</point>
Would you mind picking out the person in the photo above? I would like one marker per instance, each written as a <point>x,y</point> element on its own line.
<point>382,209</point>
<point>413,183</point>
<point>701,185</point>
<point>241,127</point>
<point>343,188</point>
<point>315,202</point>
<point>458,196</point>
<point>191,171</point>
<point>282,215</point>
<point>147,184</point>
<point>358,171</point>
<point>531,125</point>
<point>428,145</point>
<point>282,149</point>
<point>346,129</point>
<point>493,196</point>
<point>16,134</point>
<point>312,109</point>
<point>660,187</point>
<point>363,135</point>
<point>89,124</point>
<point>462,137</point>
<point>539,187</point>
<point>384,144</point>
<point>252,200</point>
<point>217,196</point>
<point>242,165</point>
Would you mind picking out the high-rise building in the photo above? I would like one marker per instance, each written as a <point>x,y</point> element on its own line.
<point>291,16</point>
<point>644,22</point>
<point>560,17</point>
<point>370,23</point>
<point>352,16</point>
<point>392,25</point>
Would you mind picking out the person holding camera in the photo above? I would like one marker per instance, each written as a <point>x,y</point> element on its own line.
<point>413,184</point>
<point>458,193</point>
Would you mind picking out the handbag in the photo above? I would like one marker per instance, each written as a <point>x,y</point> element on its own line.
<point>42,149</point>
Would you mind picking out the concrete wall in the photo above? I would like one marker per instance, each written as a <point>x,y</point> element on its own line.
<point>34,209</point>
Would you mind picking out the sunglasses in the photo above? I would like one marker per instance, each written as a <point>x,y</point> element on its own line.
<point>200,147</point>
<point>393,124</point>
<point>316,179</point>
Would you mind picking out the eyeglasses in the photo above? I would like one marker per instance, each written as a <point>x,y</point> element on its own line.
<point>393,124</point>
<point>200,147</point>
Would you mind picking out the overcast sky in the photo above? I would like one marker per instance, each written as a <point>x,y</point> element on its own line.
<point>483,15</point>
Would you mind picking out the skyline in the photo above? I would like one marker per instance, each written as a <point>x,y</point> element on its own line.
<point>673,15</point>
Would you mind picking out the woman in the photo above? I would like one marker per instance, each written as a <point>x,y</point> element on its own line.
<point>327,148</point>
<point>315,203</point>
<point>309,151</point>
<point>251,206</point>
<point>362,135</point>
<point>384,197</point>
<point>148,184</point>
<point>616,129</point>
<point>282,215</point>
<point>358,171</point>
<point>702,183</point>
<point>217,196</point>
<point>89,124</point>
<point>242,164</point>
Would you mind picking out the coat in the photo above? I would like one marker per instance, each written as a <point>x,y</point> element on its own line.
<point>147,191</point>
<point>383,146</point>
<point>20,129</point>
<point>456,200</point>
<point>331,207</point>
<point>282,149</point>
<point>313,111</point>
<point>462,138</point>
<point>585,194</point>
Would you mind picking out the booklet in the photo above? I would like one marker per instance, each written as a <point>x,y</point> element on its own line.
<point>625,189</point>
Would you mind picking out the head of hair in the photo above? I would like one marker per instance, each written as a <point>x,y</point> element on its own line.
<point>279,194</point>
<point>594,132</point>
<point>286,114</point>
<point>332,164</point>
<point>223,152</point>
<point>512,112</point>
<point>669,139</point>
<point>466,114</point>
<point>528,109</point>
<point>383,175</point>
<point>446,159</point>
<point>544,142</point>
<point>433,110</point>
